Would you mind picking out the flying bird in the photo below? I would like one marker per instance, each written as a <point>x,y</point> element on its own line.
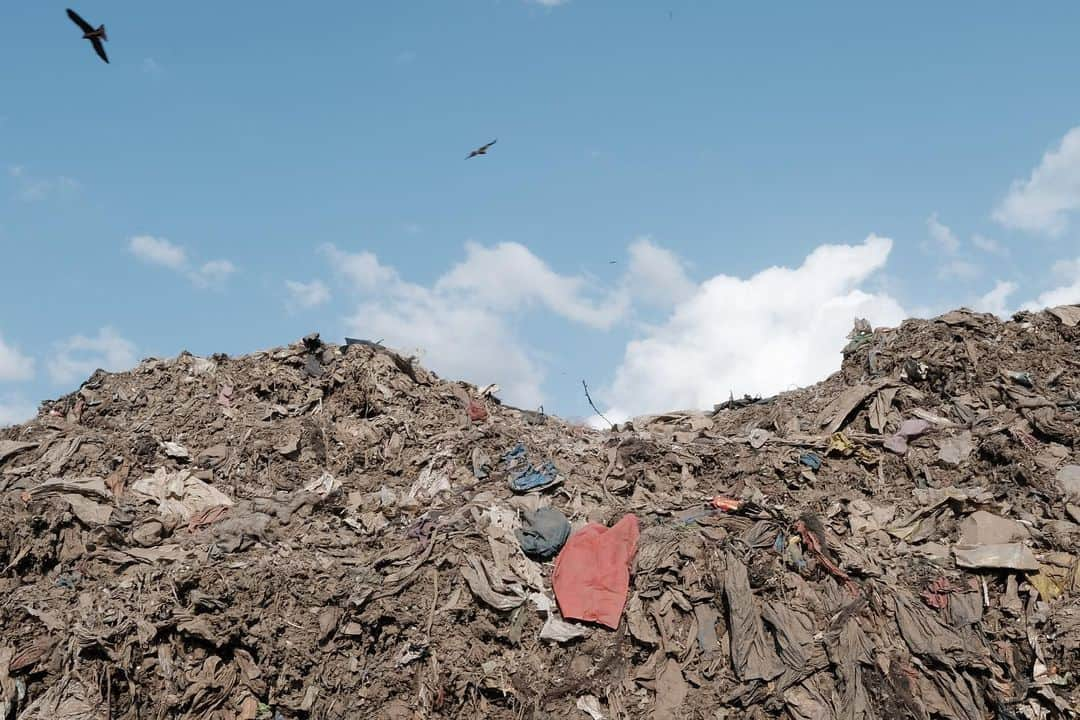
<point>482,150</point>
<point>94,35</point>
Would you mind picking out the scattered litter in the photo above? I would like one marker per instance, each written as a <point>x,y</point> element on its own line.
<point>983,528</point>
<point>176,451</point>
<point>179,494</point>
<point>10,448</point>
<point>533,479</point>
<point>477,412</point>
<point>1069,315</point>
<point>1068,479</point>
<point>556,629</point>
<point>758,438</point>
<point>323,485</point>
<point>592,573</point>
<point>1012,556</point>
<point>956,450</point>
<point>590,705</point>
<point>909,429</point>
<point>543,532</point>
<point>1020,378</point>
<point>333,536</point>
<point>726,504</point>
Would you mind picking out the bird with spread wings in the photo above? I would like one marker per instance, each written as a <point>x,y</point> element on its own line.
<point>482,150</point>
<point>94,35</point>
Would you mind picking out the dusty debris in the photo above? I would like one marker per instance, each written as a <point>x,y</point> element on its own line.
<point>179,494</point>
<point>1012,556</point>
<point>339,534</point>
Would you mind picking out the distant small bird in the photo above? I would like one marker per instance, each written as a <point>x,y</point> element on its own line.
<point>94,35</point>
<point>482,150</point>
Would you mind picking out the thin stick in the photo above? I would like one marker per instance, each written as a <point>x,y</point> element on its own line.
<point>434,602</point>
<point>593,405</point>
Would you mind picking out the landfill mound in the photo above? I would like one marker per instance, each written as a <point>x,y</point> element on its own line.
<point>325,531</point>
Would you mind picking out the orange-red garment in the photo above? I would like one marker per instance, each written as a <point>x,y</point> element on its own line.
<point>477,412</point>
<point>724,503</point>
<point>592,573</point>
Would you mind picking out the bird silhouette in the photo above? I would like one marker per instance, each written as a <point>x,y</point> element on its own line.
<point>482,150</point>
<point>94,35</point>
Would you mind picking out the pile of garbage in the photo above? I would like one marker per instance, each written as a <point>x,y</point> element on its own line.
<point>331,531</point>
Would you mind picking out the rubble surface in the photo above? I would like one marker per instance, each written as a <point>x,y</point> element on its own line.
<point>325,531</point>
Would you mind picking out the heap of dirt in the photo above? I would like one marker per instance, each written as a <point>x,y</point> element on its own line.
<point>327,531</point>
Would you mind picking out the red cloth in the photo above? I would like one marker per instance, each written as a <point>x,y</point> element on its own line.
<point>477,412</point>
<point>592,573</point>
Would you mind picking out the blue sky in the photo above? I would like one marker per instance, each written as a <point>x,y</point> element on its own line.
<point>166,201</point>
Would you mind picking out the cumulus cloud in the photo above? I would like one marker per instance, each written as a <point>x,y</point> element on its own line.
<point>509,277</point>
<point>77,358</point>
<point>762,334</point>
<point>958,268</point>
<point>947,247</point>
<point>463,324</point>
<point>362,269</point>
<point>304,296</point>
<point>215,272</point>
<point>943,235</point>
<point>1066,293</point>
<point>987,245</point>
<point>14,409</point>
<point>14,366</point>
<point>996,301</point>
<point>163,253</point>
<point>158,251</point>
<point>657,276</point>
<point>1043,202</point>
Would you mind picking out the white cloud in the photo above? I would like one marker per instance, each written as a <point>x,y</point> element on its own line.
<point>958,268</point>
<point>79,356</point>
<point>781,327</point>
<point>509,277</point>
<point>987,245</point>
<point>15,410</point>
<point>944,237</point>
<point>458,341</point>
<point>462,325</point>
<point>946,246</point>
<point>656,275</point>
<point>215,272</point>
<point>14,366</point>
<point>1043,201</point>
<point>33,189</point>
<point>1068,293</point>
<point>362,269</point>
<point>551,3</point>
<point>996,301</point>
<point>150,66</point>
<point>306,295</point>
<point>158,251</point>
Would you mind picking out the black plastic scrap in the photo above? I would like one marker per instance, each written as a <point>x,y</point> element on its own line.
<point>543,532</point>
